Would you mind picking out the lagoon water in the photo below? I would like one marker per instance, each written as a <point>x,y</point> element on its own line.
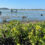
<point>31,15</point>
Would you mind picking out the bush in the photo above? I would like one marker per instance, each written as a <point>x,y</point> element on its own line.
<point>16,33</point>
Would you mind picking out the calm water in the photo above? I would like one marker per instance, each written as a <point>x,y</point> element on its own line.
<point>30,15</point>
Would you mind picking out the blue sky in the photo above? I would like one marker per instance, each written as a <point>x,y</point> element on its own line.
<point>25,4</point>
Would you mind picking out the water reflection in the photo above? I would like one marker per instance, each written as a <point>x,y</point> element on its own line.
<point>22,15</point>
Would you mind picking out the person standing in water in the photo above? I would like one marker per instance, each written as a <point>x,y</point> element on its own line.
<point>15,10</point>
<point>41,14</point>
<point>0,12</point>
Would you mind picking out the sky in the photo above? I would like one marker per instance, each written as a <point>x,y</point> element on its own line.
<point>23,4</point>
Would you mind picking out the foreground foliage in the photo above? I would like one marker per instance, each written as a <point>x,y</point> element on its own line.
<point>17,33</point>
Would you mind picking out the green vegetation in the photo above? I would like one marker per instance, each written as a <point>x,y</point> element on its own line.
<point>17,33</point>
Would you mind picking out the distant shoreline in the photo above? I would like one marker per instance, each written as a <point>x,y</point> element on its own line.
<point>21,9</point>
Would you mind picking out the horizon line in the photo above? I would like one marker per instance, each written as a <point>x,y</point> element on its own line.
<point>21,8</point>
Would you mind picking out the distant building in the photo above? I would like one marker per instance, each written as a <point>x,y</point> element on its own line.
<point>12,10</point>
